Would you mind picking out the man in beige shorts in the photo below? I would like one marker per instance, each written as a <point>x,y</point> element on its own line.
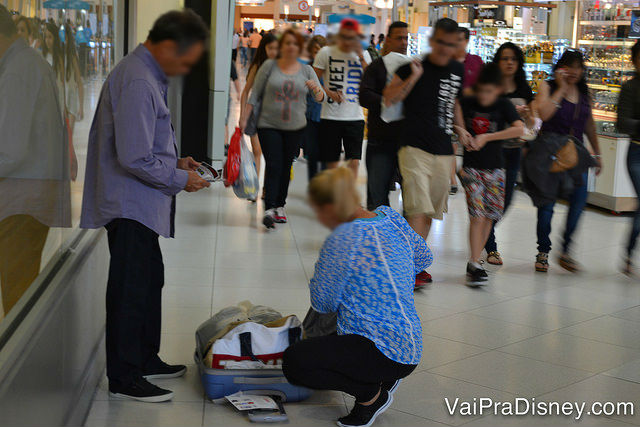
<point>429,89</point>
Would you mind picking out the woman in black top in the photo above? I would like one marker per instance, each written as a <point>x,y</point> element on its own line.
<point>510,59</point>
<point>629,123</point>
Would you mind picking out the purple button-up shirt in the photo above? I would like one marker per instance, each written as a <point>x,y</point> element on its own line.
<point>132,157</point>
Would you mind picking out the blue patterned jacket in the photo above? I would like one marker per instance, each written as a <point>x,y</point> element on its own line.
<point>366,273</point>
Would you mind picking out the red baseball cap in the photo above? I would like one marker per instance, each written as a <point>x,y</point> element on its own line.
<point>350,24</point>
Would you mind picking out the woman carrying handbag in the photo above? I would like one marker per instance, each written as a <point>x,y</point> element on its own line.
<point>281,87</point>
<point>564,106</point>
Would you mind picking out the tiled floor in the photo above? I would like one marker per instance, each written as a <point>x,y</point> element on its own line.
<point>555,337</point>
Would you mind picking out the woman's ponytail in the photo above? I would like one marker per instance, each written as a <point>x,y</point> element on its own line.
<point>338,187</point>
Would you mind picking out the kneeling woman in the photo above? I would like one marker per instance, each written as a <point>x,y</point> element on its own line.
<point>365,273</point>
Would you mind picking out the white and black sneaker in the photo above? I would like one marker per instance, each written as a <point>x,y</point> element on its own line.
<point>365,416</point>
<point>165,371</point>
<point>476,275</point>
<point>269,219</point>
<point>391,386</point>
<point>281,215</point>
<point>142,390</point>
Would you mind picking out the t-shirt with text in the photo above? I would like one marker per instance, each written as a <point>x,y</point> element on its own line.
<point>480,120</point>
<point>342,72</point>
<point>429,107</point>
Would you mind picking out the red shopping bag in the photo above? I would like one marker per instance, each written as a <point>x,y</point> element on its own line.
<point>232,165</point>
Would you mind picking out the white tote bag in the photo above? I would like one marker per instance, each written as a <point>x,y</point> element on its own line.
<point>393,61</point>
<point>253,341</point>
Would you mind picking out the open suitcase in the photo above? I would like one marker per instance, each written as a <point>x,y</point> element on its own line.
<point>219,383</point>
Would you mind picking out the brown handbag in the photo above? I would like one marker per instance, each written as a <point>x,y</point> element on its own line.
<point>566,158</point>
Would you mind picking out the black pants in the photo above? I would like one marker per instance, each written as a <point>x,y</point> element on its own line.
<point>348,363</point>
<point>512,157</point>
<point>312,148</point>
<point>234,55</point>
<point>382,163</point>
<point>134,292</point>
<point>633,166</point>
<point>279,147</point>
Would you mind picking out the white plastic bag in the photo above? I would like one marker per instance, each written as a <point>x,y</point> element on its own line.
<point>393,61</point>
<point>246,186</point>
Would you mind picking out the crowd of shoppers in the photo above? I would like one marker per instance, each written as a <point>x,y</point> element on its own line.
<point>309,94</point>
<point>420,110</point>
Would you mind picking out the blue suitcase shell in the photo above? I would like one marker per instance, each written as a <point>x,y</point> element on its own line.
<point>219,383</point>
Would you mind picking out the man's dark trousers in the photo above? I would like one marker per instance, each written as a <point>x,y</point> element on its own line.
<point>134,296</point>
<point>382,163</point>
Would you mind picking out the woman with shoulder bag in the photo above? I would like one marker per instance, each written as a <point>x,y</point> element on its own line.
<point>564,105</point>
<point>268,49</point>
<point>281,87</point>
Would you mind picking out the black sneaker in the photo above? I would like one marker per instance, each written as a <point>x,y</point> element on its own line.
<point>164,370</point>
<point>364,416</point>
<point>391,386</point>
<point>476,276</point>
<point>141,390</point>
<point>453,190</point>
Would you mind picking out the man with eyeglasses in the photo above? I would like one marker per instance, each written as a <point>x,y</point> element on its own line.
<point>340,67</point>
<point>429,89</point>
<point>382,146</point>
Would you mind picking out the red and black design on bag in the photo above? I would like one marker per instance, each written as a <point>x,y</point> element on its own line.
<point>219,361</point>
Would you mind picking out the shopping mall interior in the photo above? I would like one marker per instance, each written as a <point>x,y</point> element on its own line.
<point>571,337</point>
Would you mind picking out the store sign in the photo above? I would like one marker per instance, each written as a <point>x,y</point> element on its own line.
<point>303,6</point>
<point>486,13</point>
<point>500,23</point>
<point>517,23</point>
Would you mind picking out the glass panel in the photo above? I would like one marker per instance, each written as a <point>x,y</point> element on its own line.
<point>46,110</point>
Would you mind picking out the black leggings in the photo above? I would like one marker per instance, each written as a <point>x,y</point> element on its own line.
<point>348,363</point>
<point>279,147</point>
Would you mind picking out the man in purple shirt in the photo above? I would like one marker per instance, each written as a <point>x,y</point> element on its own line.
<point>133,175</point>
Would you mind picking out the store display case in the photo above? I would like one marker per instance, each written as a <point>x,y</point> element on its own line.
<point>419,42</point>
<point>540,51</point>
<point>602,40</point>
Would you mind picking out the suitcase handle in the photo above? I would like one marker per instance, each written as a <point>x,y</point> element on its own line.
<point>260,380</point>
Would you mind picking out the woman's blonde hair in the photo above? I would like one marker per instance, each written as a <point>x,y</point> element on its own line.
<point>337,187</point>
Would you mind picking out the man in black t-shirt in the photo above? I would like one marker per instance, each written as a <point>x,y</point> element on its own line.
<point>429,89</point>
<point>490,119</point>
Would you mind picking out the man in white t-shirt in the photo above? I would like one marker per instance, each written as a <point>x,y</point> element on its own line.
<point>340,67</point>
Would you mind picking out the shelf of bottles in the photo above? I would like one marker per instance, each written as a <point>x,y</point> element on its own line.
<point>540,51</point>
<point>603,39</point>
